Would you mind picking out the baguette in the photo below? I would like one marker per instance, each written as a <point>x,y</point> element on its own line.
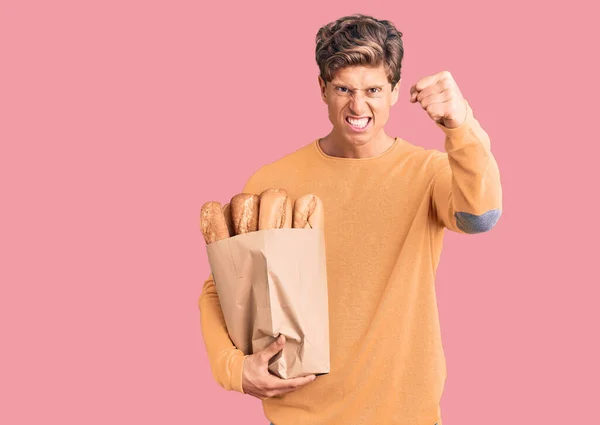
<point>244,213</point>
<point>308,212</point>
<point>228,219</point>
<point>275,209</point>
<point>212,222</point>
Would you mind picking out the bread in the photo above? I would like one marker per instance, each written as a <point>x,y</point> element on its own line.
<point>212,222</point>
<point>228,219</point>
<point>308,212</point>
<point>275,209</point>
<point>272,209</point>
<point>244,213</point>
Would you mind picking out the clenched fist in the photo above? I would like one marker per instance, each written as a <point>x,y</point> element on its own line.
<point>258,382</point>
<point>439,95</point>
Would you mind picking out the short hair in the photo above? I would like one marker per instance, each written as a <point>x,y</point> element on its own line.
<point>359,40</point>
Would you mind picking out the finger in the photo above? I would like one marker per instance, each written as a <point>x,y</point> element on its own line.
<point>413,94</point>
<point>291,383</point>
<point>281,392</point>
<point>429,91</point>
<point>435,98</point>
<point>429,80</point>
<point>272,349</point>
<point>436,111</point>
<point>417,95</point>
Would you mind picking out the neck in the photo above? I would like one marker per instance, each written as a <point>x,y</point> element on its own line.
<point>344,147</point>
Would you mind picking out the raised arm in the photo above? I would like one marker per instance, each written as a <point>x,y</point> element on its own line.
<point>466,193</point>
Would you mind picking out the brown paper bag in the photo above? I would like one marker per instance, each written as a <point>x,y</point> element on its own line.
<point>273,282</point>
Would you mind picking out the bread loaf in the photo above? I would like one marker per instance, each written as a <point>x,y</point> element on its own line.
<point>228,219</point>
<point>308,212</point>
<point>244,213</point>
<point>275,209</point>
<point>212,222</point>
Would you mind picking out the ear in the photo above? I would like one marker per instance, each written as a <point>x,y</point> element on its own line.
<point>323,88</point>
<point>395,93</point>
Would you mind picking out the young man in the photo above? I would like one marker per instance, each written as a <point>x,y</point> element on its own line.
<point>387,203</point>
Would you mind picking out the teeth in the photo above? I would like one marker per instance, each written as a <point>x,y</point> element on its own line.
<point>358,123</point>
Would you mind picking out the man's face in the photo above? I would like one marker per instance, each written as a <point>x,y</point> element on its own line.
<point>359,92</point>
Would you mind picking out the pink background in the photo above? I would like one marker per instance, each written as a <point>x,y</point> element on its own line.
<point>119,119</point>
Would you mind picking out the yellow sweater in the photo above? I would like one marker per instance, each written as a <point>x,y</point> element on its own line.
<point>384,225</point>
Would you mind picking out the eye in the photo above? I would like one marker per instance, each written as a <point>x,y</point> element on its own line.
<point>341,88</point>
<point>375,88</point>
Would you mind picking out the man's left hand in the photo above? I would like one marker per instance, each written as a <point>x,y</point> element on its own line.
<point>439,95</point>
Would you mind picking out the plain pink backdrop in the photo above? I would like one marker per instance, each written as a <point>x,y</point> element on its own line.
<point>119,119</point>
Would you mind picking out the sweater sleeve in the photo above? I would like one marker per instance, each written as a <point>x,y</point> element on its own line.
<point>226,360</point>
<point>466,192</point>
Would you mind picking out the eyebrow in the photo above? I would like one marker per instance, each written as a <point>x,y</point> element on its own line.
<point>340,84</point>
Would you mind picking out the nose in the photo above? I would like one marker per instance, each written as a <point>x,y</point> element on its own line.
<point>358,105</point>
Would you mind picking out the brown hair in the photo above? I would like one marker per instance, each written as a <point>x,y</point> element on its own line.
<point>359,40</point>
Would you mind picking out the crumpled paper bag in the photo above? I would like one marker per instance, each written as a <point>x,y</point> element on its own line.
<point>273,282</point>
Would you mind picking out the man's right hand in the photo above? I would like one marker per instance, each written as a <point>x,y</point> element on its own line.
<point>258,382</point>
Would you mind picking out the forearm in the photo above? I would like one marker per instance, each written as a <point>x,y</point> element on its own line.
<point>226,361</point>
<point>466,191</point>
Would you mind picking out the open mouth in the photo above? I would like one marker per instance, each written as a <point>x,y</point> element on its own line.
<point>358,124</point>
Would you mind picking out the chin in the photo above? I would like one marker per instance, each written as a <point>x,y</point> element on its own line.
<point>358,139</point>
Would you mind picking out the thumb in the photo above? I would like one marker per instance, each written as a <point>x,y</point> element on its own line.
<point>273,348</point>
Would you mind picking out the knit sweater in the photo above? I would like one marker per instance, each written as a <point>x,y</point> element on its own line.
<point>385,218</point>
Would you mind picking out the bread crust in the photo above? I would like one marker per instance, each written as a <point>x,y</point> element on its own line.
<point>275,209</point>
<point>212,222</point>
<point>228,218</point>
<point>244,212</point>
<point>308,212</point>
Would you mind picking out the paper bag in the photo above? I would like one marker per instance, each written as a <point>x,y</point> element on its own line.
<point>273,282</point>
